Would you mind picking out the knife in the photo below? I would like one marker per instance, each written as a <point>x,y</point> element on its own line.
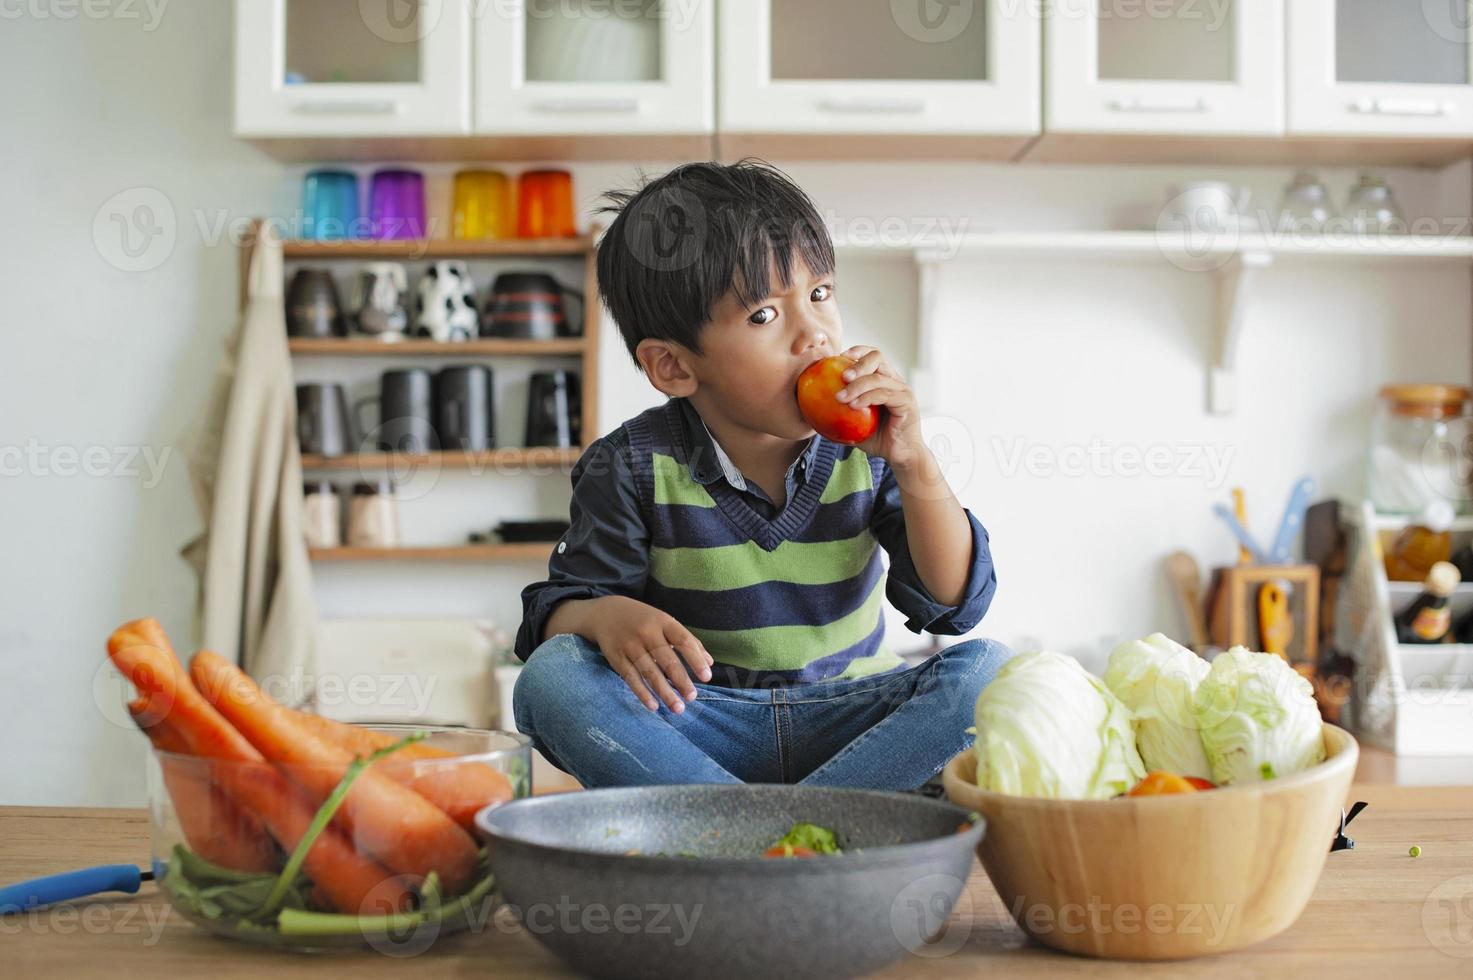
<point>1240,532</point>
<point>1292,521</point>
<point>26,895</point>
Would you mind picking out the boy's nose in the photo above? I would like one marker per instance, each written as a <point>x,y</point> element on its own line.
<point>811,338</point>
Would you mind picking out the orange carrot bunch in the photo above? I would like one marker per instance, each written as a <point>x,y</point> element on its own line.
<point>397,824</point>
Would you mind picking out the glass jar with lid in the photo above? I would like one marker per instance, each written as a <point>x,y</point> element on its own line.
<point>1421,449</point>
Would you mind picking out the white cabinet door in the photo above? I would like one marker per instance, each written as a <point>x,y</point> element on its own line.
<point>352,67</point>
<point>1369,67</point>
<point>594,67</point>
<point>898,67</point>
<point>1169,67</point>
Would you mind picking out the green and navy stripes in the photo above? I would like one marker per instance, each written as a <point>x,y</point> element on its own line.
<point>794,599</point>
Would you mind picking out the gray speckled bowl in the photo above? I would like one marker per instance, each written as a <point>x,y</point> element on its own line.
<point>668,881</point>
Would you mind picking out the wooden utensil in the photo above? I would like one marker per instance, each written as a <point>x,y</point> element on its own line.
<point>1275,624</point>
<point>1186,583</point>
<point>1235,616</point>
<point>1246,857</point>
<point>1240,510</point>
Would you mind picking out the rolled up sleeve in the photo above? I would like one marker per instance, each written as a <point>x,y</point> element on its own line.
<point>606,548</point>
<point>907,592</point>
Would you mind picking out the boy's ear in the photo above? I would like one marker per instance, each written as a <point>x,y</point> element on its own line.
<point>667,365</point>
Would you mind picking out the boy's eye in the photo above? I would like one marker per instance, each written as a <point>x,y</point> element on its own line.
<point>763,316</point>
<point>821,293</point>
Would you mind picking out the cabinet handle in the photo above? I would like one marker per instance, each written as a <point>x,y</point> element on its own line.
<point>346,107</point>
<point>1403,107</point>
<point>1167,104</point>
<point>586,105</point>
<point>874,106</point>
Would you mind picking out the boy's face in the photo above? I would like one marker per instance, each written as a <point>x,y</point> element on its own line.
<point>752,355</point>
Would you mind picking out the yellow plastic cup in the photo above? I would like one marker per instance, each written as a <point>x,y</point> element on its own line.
<point>482,205</point>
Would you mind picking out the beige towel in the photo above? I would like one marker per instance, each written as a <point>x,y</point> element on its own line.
<point>256,603</point>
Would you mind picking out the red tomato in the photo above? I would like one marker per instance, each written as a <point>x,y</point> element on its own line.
<point>831,418</point>
<point>788,851</point>
<point>1200,783</point>
<point>1160,784</point>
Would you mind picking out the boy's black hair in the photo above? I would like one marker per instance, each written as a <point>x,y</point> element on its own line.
<point>686,239</point>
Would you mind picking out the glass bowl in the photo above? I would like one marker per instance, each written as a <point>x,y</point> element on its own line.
<point>397,865</point>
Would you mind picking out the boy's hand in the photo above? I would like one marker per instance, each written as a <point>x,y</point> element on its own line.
<point>874,382</point>
<point>645,647</point>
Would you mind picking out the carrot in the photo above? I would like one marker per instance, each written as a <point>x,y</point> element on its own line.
<point>461,788</point>
<point>354,883</point>
<point>215,827</point>
<point>402,829</point>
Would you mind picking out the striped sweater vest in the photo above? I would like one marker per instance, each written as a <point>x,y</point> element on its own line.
<point>793,600</point>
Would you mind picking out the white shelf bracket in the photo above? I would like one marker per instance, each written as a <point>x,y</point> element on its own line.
<point>1234,279</point>
<point>924,378</point>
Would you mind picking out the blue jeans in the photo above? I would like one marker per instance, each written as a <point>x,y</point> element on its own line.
<point>893,731</point>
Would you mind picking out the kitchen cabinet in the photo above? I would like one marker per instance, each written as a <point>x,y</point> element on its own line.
<point>1371,68</point>
<point>592,67</point>
<point>345,68</point>
<point>825,68</point>
<point>1167,67</point>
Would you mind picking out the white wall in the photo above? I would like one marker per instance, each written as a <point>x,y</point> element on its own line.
<point>1051,353</point>
<point>104,359</point>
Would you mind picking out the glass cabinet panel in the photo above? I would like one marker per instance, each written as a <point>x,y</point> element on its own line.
<point>1415,43</point>
<point>341,41</point>
<point>593,41</point>
<point>1180,40</point>
<point>844,40</point>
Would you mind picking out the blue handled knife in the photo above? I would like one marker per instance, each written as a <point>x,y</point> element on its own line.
<point>25,895</point>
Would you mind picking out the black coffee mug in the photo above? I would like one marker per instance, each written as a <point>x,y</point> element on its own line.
<point>406,404</point>
<point>554,409</point>
<point>529,305</point>
<point>465,417</point>
<point>322,419</point>
<point>312,307</point>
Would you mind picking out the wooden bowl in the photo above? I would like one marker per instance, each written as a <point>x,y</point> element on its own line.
<point>1161,877</point>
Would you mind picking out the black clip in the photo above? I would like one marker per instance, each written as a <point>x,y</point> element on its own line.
<point>1343,843</point>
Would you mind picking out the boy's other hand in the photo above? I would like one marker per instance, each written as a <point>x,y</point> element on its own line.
<point>645,646</point>
<point>873,381</point>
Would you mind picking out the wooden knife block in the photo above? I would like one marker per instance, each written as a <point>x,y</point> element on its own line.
<point>1232,606</point>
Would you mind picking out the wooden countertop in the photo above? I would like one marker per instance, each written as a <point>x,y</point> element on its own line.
<point>1376,912</point>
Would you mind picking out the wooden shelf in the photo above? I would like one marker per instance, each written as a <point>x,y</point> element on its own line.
<point>1231,262</point>
<point>489,347</point>
<point>465,552</point>
<point>438,248</point>
<point>1158,246</point>
<point>512,458</point>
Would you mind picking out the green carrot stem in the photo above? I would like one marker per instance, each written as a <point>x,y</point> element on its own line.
<point>324,815</point>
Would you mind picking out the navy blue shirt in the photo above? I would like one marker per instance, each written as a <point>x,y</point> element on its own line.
<point>606,549</point>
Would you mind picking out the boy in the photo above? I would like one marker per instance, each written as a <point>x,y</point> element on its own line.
<point>713,613</point>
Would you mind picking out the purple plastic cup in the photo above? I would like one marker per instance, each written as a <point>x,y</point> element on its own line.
<point>397,204</point>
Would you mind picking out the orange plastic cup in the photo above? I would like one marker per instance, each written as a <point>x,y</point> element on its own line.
<point>545,205</point>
